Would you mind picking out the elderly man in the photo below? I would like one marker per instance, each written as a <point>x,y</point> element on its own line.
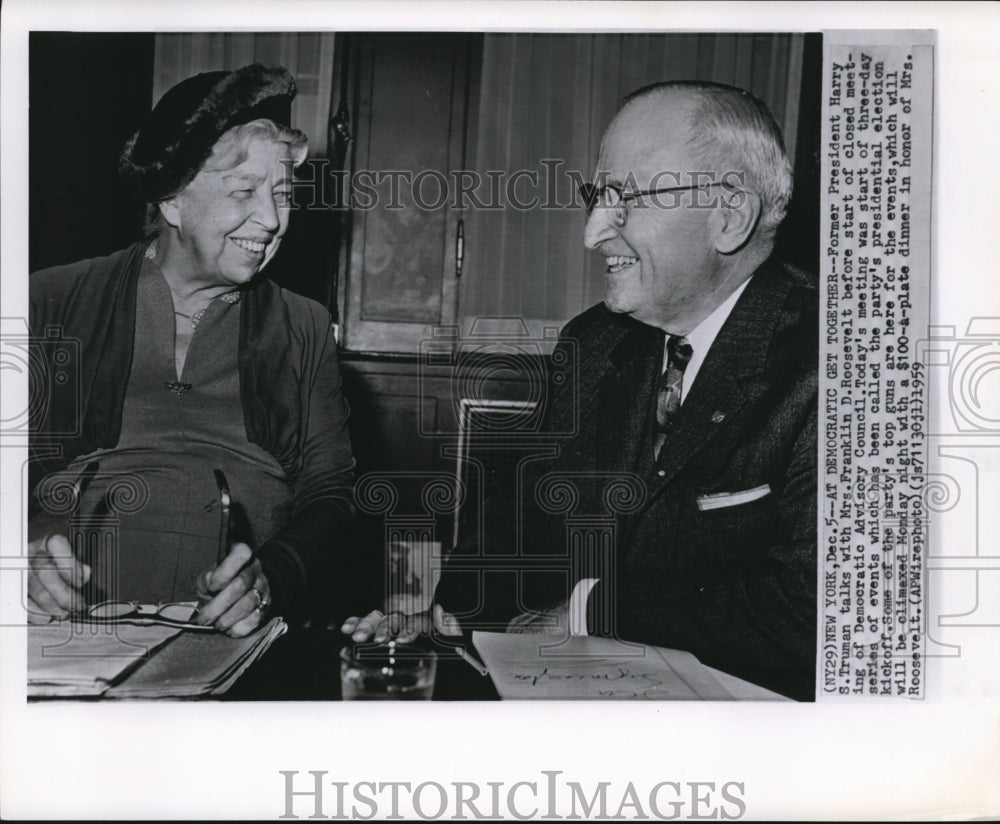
<point>695,392</point>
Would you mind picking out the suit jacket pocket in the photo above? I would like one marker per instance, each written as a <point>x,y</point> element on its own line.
<point>724,500</point>
<point>740,526</point>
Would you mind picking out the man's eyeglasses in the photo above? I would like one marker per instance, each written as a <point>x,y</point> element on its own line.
<point>612,195</point>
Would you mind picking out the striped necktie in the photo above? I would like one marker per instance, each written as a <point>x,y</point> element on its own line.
<point>668,398</point>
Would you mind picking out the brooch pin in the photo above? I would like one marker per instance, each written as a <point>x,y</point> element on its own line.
<point>178,388</point>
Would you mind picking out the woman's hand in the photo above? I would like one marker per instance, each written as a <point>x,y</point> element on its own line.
<point>55,577</point>
<point>234,596</point>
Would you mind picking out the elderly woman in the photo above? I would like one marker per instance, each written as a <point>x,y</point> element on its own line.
<point>194,373</point>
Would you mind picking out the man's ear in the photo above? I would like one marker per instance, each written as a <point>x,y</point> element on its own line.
<point>737,218</point>
<point>170,211</point>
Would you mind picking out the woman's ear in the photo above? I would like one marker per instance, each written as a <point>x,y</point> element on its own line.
<point>170,211</point>
<point>737,217</point>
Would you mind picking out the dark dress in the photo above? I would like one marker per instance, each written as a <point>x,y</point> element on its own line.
<point>172,439</point>
<point>265,405</point>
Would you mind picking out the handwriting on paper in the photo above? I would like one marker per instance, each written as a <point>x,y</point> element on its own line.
<point>625,681</point>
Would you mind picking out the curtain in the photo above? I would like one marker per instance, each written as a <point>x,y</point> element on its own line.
<point>545,99</point>
<point>308,56</point>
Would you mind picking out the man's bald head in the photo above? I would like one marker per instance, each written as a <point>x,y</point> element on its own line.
<point>727,129</point>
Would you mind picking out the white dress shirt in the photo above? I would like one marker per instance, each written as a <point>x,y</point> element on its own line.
<point>703,336</point>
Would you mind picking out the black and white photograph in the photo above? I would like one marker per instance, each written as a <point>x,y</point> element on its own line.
<point>547,374</point>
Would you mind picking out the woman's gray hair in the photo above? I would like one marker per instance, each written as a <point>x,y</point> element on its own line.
<point>733,131</point>
<point>231,149</point>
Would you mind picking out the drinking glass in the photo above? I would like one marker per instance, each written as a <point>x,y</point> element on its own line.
<point>387,672</point>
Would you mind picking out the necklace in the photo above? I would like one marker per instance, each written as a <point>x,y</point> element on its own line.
<point>195,318</point>
<point>227,297</point>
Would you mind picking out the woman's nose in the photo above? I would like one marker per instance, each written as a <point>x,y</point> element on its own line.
<point>266,213</point>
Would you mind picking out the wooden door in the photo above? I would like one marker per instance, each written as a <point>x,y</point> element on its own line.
<point>412,110</point>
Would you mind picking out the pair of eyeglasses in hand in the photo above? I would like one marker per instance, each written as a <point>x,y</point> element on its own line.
<point>177,614</point>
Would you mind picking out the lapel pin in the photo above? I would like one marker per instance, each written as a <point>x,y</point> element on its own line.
<point>718,417</point>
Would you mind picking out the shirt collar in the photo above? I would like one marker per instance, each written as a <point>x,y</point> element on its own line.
<point>703,336</point>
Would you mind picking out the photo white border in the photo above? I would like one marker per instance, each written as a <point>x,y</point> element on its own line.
<point>884,759</point>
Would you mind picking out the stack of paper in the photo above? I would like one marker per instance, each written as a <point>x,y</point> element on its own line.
<point>126,661</point>
<point>197,664</point>
<point>83,660</point>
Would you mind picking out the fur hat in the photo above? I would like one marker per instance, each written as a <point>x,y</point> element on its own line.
<point>177,138</point>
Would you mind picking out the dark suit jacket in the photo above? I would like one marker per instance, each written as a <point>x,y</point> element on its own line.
<point>734,584</point>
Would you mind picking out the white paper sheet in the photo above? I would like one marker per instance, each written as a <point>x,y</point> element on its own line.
<point>84,659</point>
<point>584,667</point>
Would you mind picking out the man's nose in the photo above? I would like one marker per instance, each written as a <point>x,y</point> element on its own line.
<point>601,226</point>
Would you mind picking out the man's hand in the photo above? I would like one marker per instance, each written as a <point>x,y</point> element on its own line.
<point>553,620</point>
<point>234,596</point>
<point>380,628</point>
<point>55,577</point>
<point>445,623</point>
<point>567,617</point>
